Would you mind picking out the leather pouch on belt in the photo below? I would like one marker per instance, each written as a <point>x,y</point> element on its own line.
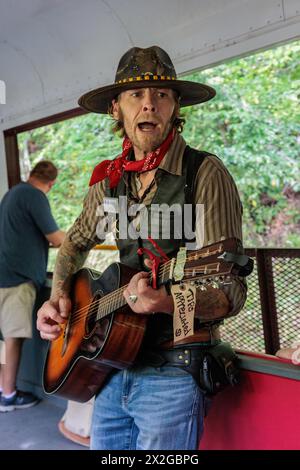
<point>219,368</point>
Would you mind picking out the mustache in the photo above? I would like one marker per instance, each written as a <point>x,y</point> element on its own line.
<point>148,118</point>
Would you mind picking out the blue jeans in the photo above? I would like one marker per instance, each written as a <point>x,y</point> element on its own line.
<point>148,408</point>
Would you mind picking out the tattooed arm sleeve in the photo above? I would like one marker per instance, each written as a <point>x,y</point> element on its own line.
<point>80,239</point>
<point>69,260</point>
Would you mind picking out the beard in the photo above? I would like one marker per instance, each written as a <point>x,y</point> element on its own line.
<point>148,143</point>
<point>143,141</point>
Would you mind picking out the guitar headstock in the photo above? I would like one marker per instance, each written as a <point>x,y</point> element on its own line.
<point>204,273</point>
<point>213,265</point>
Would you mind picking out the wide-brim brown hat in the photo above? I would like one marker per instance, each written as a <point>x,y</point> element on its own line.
<point>140,68</point>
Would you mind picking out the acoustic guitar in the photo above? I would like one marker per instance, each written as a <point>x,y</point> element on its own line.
<point>102,333</point>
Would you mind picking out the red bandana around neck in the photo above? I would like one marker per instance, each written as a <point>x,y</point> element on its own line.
<point>113,169</point>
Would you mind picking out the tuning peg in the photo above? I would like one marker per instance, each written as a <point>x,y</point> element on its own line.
<point>215,285</point>
<point>227,281</point>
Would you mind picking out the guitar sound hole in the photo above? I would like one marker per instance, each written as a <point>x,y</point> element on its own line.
<point>96,330</point>
<point>97,338</point>
<point>92,315</point>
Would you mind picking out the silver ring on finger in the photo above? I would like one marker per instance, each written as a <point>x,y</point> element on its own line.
<point>133,298</point>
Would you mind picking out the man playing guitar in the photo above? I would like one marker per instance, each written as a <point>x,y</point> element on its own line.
<point>152,404</point>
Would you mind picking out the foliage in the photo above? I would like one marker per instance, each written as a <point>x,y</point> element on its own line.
<point>75,146</point>
<point>253,125</point>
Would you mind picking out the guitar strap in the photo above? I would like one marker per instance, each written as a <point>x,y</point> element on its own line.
<point>194,159</point>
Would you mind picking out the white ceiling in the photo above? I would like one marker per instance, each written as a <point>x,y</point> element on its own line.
<point>51,51</point>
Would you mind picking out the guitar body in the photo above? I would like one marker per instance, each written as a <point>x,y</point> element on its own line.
<point>103,334</point>
<point>79,362</point>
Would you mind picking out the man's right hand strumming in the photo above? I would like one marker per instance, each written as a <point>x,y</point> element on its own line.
<point>55,312</point>
<point>51,316</point>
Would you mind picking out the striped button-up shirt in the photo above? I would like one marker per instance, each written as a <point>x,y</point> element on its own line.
<point>215,189</point>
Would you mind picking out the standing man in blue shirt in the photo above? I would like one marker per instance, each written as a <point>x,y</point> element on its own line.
<point>26,229</point>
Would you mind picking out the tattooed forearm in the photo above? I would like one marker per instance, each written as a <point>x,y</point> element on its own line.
<point>211,304</point>
<point>226,301</point>
<point>69,260</point>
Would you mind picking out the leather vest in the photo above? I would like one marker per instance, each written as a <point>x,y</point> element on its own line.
<point>171,190</point>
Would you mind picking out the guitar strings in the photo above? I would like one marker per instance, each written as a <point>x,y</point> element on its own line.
<point>111,298</point>
<point>109,303</point>
<point>111,295</point>
<point>115,294</point>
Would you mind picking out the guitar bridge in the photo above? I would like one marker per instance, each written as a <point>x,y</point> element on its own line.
<point>66,338</point>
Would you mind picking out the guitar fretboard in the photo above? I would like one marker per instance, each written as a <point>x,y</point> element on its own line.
<point>115,300</point>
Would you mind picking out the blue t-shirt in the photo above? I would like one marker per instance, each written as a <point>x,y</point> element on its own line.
<point>25,219</point>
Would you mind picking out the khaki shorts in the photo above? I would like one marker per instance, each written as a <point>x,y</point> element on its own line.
<point>16,306</point>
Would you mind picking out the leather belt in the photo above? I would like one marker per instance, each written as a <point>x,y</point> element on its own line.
<point>179,357</point>
<point>204,335</point>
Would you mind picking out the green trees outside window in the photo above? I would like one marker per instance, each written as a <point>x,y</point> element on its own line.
<point>253,125</point>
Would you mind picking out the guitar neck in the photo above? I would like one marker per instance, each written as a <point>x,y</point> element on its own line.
<point>208,265</point>
<point>115,300</point>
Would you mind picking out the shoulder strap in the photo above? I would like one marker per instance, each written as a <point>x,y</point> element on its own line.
<point>193,160</point>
